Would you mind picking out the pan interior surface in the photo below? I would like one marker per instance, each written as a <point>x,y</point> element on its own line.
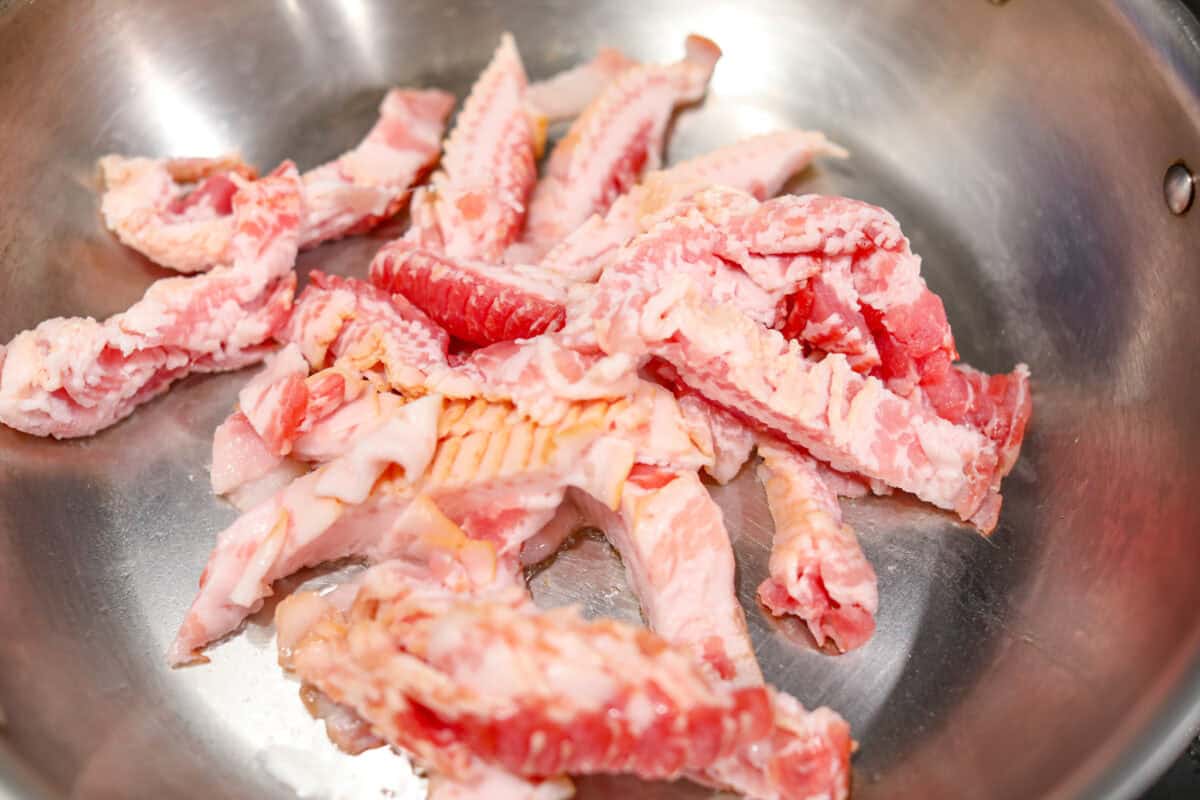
<point>1022,146</point>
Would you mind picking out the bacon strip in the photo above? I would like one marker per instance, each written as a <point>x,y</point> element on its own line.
<point>473,300</point>
<point>353,323</point>
<point>617,138</point>
<point>759,165</point>
<point>679,561</point>
<point>850,421</point>
<point>817,570</point>
<point>475,205</point>
<point>74,377</point>
<point>568,93</point>
<point>177,212</point>
<point>539,693</point>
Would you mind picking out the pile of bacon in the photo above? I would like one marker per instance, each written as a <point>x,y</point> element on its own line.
<point>620,328</point>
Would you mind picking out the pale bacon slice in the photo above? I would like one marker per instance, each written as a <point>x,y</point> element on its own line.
<point>73,377</point>
<point>371,182</point>
<point>177,212</point>
<point>568,93</point>
<point>617,138</point>
<point>538,693</point>
<point>483,303</point>
<point>351,322</point>
<point>679,561</point>
<point>475,204</point>
<point>344,509</point>
<point>759,165</point>
<point>318,517</point>
<point>316,420</point>
<point>476,301</point>
<point>817,569</point>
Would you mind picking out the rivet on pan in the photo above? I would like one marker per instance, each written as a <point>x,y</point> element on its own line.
<point>1179,188</point>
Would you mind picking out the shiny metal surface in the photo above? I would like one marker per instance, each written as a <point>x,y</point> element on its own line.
<point>1022,146</point>
<point>1179,188</point>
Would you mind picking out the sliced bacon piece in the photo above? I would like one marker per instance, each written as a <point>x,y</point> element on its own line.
<point>759,165</point>
<point>320,420</point>
<point>73,377</point>
<point>318,517</point>
<point>869,302</point>
<point>806,756</point>
<point>679,562</point>
<point>295,618</point>
<point>867,264</point>
<point>371,183</point>
<point>538,693</point>
<point>344,508</point>
<point>568,93</point>
<point>475,205</point>
<point>997,405</point>
<point>362,327</point>
<point>475,301</point>
<point>817,570</point>
<point>850,421</point>
<point>177,212</point>
<point>616,139</point>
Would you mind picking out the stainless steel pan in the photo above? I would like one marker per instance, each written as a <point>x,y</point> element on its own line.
<point>1023,145</point>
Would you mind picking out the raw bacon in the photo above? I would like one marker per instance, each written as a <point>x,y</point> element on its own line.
<point>475,301</point>
<point>539,693</point>
<point>350,322</point>
<point>73,377</point>
<point>568,93</point>
<point>176,212</point>
<point>817,570</point>
<point>475,204</point>
<point>616,139</point>
<point>759,165</point>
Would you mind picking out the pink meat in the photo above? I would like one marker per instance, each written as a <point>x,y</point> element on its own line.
<point>73,377</point>
<point>315,420</point>
<point>352,322</point>
<point>371,182</point>
<point>475,205</point>
<point>817,570</point>
<point>617,138</point>
<point>568,93</point>
<point>538,693</point>
<point>869,303</point>
<point>475,301</point>
<point>806,756</point>
<point>176,212</point>
<point>850,421</point>
<point>759,165</point>
<point>999,406</point>
<point>319,517</point>
<point>679,562</point>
